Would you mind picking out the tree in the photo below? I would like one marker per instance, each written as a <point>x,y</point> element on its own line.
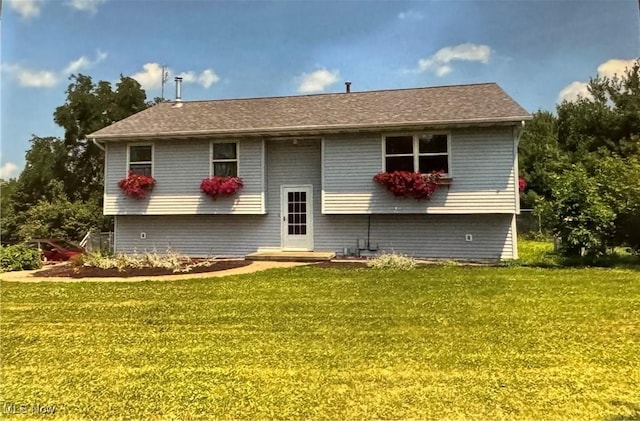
<point>595,204</point>
<point>60,218</point>
<point>59,193</point>
<point>578,214</point>
<point>88,108</point>
<point>46,160</point>
<point>539,156</point>
<point>608,123</point>
<point>619,183</point>
<point>7,214</point>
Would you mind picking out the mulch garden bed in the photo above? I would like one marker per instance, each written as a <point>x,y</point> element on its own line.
<point>67,271</point>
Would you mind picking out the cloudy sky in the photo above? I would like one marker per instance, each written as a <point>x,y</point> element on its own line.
<point>539,51</point>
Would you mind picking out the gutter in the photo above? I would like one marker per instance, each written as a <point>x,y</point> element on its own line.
<point>98,144</point>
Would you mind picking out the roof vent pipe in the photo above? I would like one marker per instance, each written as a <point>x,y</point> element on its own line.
<point>348,87</point>
<point>178,80</point>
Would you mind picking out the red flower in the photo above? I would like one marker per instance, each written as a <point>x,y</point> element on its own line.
<point>522,184</point>
<point>409,184</point>
<point>136,185</point>
<point>220,186</point>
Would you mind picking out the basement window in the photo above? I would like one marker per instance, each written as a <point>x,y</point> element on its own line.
<point>423,153</point>
<point>224,159</point>
<point>141,159</point>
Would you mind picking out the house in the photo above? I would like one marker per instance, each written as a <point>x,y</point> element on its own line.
<point>307,165</point>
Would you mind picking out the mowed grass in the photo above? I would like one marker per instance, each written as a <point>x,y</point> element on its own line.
<point>443,342</point>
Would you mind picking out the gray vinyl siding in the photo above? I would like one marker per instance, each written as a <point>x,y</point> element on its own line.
<point>425,236</point>
<point>178,168</point>
<point>482,166</point>
<point>436,236</point>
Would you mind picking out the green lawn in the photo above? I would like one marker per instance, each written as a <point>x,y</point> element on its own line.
<point>443,342</point>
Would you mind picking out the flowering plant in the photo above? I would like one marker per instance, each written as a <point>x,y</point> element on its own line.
<point>220,186</point>
<point>522,184</point>
<point>136,185</point>
<point>409,184</point>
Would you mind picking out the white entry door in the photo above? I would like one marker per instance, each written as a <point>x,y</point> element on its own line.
<point>297,217</point>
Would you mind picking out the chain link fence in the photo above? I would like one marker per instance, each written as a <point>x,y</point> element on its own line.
<point>528,223</point>
<point>100,241</point>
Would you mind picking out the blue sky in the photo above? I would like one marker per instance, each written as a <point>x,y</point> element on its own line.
<point>538,51</point>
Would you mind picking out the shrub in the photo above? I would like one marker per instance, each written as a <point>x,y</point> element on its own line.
<point>19,257</point>
<point>171,260</point>
<point>392,261</point>
<point>579,215</point>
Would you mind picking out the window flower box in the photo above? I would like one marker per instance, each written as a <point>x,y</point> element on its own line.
<point>411,184</point>
<point>220,186</point>
<point>136,185</point>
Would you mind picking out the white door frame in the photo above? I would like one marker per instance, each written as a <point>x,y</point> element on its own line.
<point>296,242</point>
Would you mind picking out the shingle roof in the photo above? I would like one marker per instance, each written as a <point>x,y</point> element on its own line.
<point>460,104</point>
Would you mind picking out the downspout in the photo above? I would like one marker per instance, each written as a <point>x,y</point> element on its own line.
<point>95,142</point>
<point>518,134</point>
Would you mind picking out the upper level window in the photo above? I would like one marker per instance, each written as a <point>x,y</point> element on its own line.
<point>224,159</point>
<point>422,153</point>
<point>141,159</point>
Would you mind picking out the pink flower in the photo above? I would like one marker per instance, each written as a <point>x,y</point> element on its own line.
<point>220,186</point>
<point>136,185</point>
<point>409,184</point>
<point>522,184</point>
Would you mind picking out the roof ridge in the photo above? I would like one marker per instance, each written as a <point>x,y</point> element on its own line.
<point>171,102</point>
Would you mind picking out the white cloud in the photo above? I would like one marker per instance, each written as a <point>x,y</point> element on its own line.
<point>8,170</point>
<point>440,62</point>
<point>90,6</point>
<point>577,89</point>
<point>573,91</point>
<point>84,63</point>
<point>206,78</point>
<point>150,76</point>
<point>317,81</point>
<point>26,8</point>
<point>32,78</point>
<point>410,15</point>
<point>614,66</point>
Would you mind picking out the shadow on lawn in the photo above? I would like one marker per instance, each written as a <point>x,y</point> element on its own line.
<point>543,256</point>
<point>632,413</point>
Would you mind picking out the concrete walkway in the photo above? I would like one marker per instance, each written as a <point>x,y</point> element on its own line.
<point>28,275</point>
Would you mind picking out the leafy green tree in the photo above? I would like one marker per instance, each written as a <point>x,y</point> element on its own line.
<point>46,160</point>
<point>606,124</point>
<point>595,204</point>
<point>578,214</point>
<point>539,156</point>
<point>88,108</point>
<point>619,184</point>
<point>60,218</point>
<point>7,213</point>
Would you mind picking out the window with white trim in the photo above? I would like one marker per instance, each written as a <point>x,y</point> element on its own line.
<point>224,159</point>
<point>141,159</point>
<point>423,153</point>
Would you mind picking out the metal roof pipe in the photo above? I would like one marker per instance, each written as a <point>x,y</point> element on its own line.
<point>348,87</point>
<point>178,80</point>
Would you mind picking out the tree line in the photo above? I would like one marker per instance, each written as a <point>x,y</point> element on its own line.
<point>582,167</point>
<point>59,192</point>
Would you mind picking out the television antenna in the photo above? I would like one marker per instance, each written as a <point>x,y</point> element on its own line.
<point>165,78</point>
